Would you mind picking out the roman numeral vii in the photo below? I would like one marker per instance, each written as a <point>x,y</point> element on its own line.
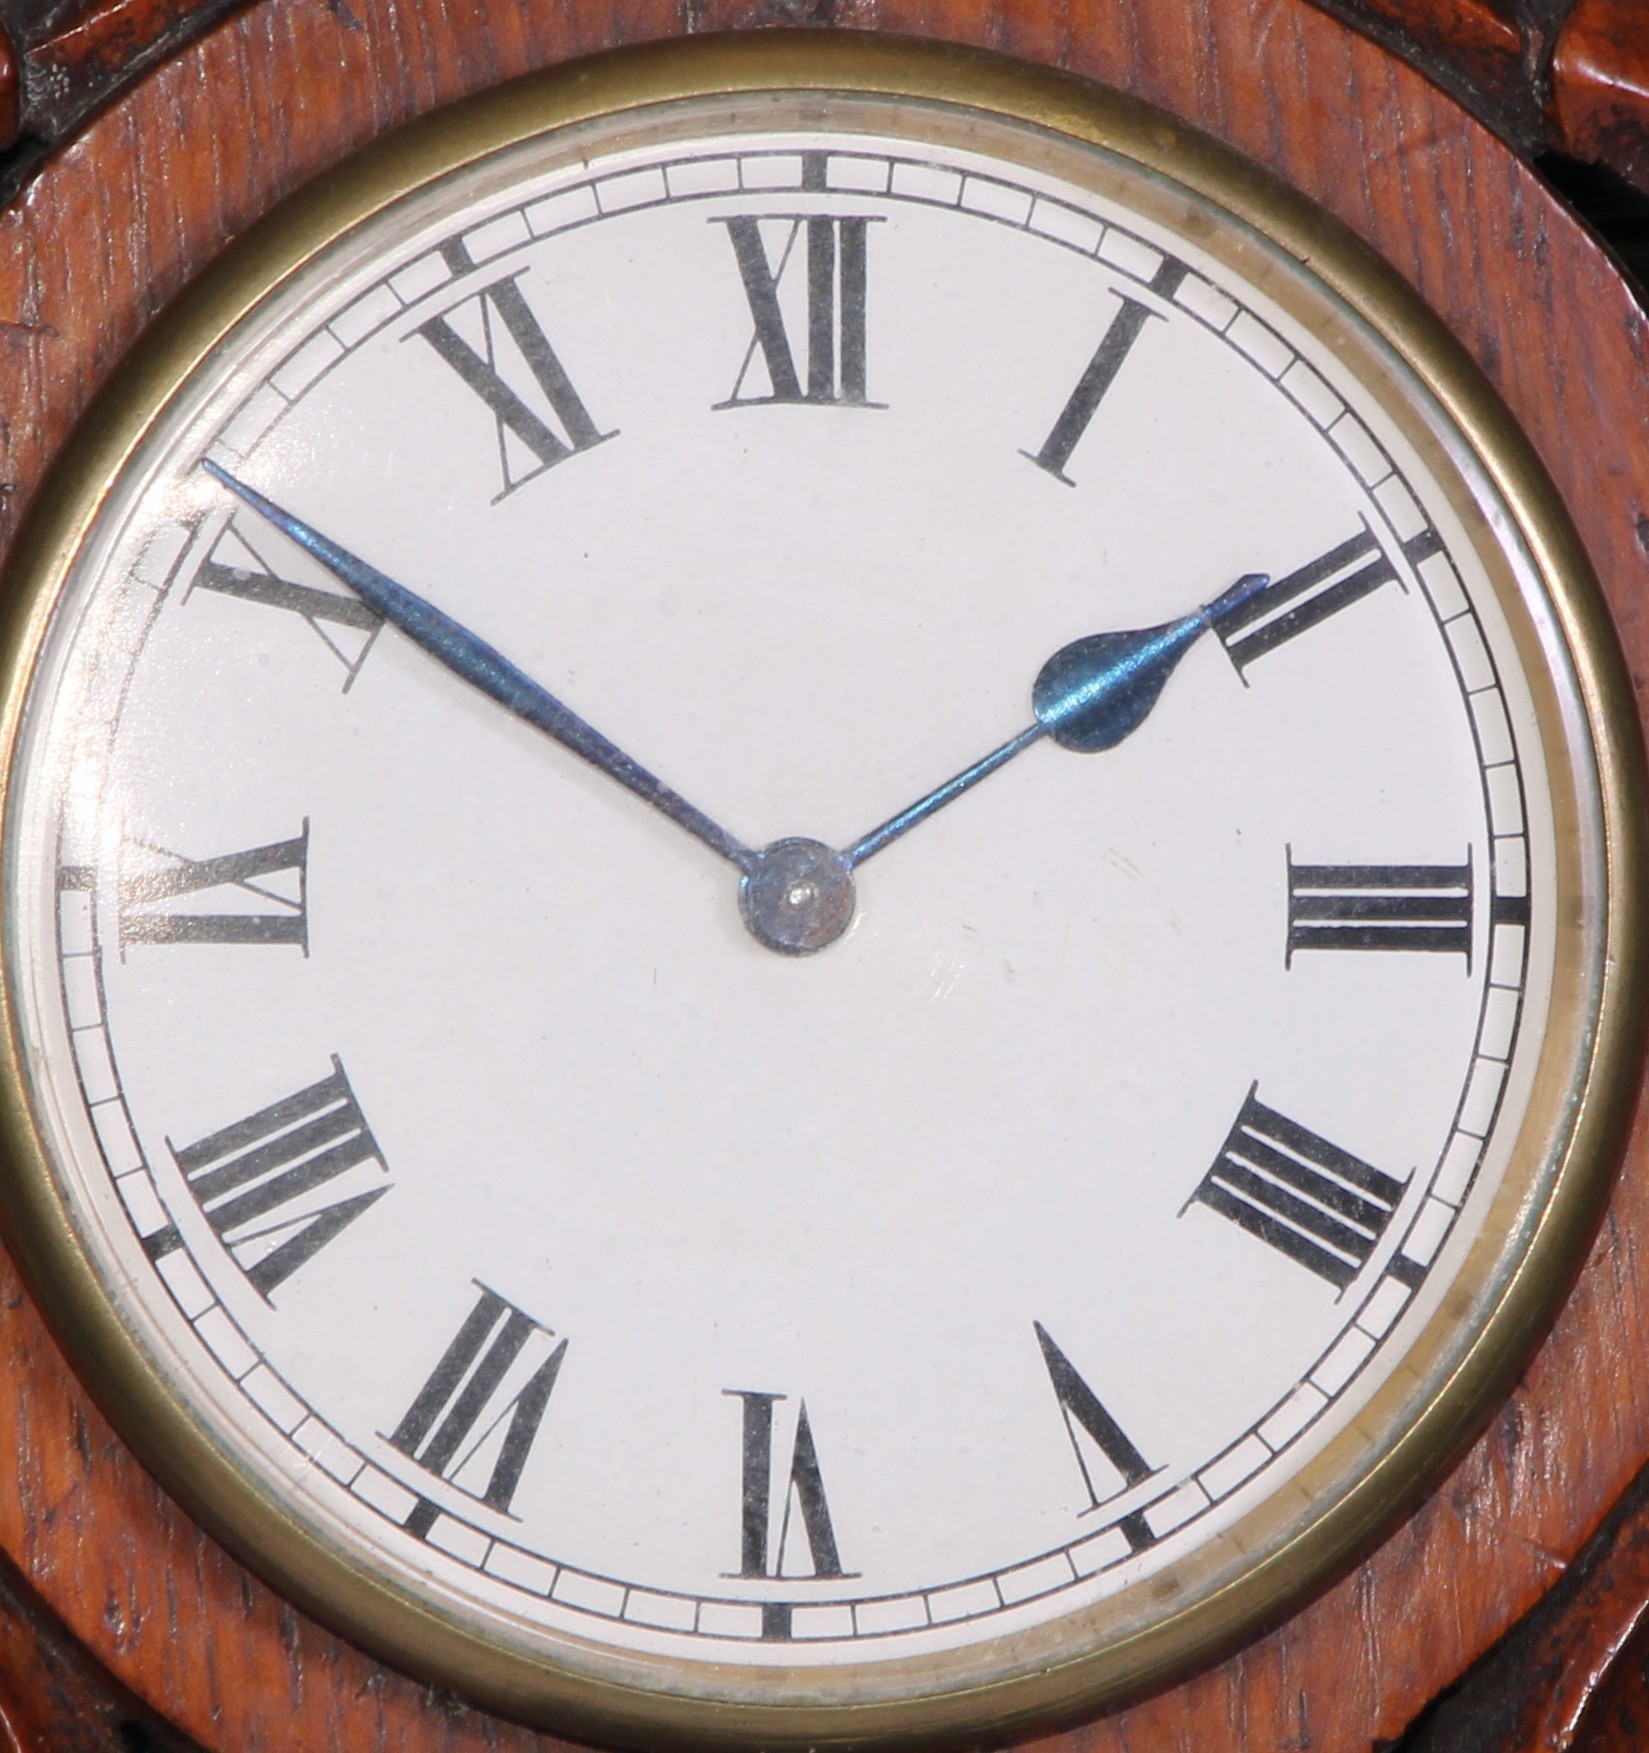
<point>474,1421</point>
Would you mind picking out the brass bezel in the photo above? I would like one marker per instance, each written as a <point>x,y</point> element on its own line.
<point>617,1699</point>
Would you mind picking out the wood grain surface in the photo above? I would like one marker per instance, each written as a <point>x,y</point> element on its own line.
<point>205,143</point>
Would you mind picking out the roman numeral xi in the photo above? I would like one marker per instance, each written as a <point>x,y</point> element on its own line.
<point>474,1421</point>
<point>831,328</point>
<point>1290,1188</point>
<point>282,1183</point>
<point>496,345</point>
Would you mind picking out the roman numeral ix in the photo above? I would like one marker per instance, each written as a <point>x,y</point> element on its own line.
<point>1323,587</point>
<point>474,1421</point>
<point>1379,907</point>
<point>269,1185</point>
<point>497,346</point>
<point>1115,345</point>
<point>274,878</point>
<point>1086,1418</point>
<point>780,1505</point>
<point>343,623</point>
<point>834,318</point>
<point>1293,1190</point>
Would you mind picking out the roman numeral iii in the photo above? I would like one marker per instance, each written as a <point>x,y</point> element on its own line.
<point>832,325</point>
<point>275,1185</point>
<point>496,345</point>
<point>474,1421</point>
<point>272,880</point>
<point>1086,1419</point>
<point>783,1512</point>
<point>1115,345</point>
<point>1293,1190</point>
<point>1380,907</point>
<point>1306,598</point>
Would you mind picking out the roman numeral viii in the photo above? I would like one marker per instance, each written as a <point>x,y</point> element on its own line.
<point>1094,1435</point>
<point>1380,907</point>
<point>273,880</point>
<point>1115,345</point>
<point>1323,587</point>
<point>496,345</point>
<point>1299,1194</point>
<point>276,1185</point>
<point>782,1509</point>
<point>832,318</point>
<point>474,1421</point>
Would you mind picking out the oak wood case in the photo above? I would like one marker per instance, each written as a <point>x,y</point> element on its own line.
<point>211,139</point>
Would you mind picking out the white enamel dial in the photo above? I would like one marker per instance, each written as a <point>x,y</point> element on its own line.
<point>992,1213</point>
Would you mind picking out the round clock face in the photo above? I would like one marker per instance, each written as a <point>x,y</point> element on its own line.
<point>802,894</point>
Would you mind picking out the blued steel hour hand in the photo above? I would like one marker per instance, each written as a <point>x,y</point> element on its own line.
<point>1088,696</point>
<point>472,660</point>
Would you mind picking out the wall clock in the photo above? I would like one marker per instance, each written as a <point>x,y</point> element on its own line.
<point>1072,1124</point>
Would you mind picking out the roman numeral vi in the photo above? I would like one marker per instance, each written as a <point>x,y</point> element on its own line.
<point>782,1513</point>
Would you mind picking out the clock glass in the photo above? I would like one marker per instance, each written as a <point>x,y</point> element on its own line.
<point>805,891</point>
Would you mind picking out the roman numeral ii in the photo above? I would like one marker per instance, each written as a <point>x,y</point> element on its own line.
<point>1290,606</point>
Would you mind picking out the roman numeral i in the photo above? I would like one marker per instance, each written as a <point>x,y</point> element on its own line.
<point>1123,331</point>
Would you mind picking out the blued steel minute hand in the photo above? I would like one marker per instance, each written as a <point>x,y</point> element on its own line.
<point>1088,696</point>
<point>472,660</point>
